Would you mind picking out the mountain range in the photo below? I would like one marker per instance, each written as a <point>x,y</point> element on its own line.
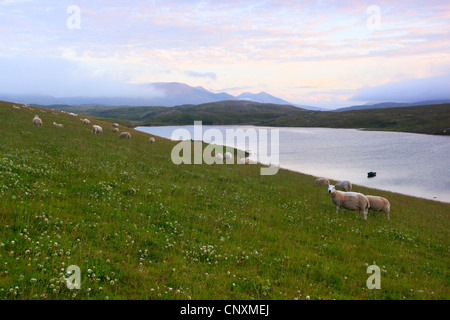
<point>166,94</point>
<point>171,94</point>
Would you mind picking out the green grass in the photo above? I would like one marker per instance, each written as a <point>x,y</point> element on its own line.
<point>140,227</point>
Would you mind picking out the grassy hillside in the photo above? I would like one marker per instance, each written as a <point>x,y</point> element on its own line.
<point>140,227</point>
<point>430,119</point>
<point>224,112</point>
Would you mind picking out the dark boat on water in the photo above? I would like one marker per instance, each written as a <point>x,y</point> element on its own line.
<point>371,174</point>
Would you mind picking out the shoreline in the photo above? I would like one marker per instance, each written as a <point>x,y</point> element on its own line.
<point>312,175</point>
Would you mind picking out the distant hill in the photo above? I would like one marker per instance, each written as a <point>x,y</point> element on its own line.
<point>391,105</point>
<point>264,97</point>
<point>428,119</point>
<point>222,112</point>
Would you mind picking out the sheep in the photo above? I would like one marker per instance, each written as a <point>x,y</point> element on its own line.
<point>152,140</point>
<point>322,182</point>
<point>86,122</point>
<point>349,200</point>
<point>379,204</point>
<point>124,135</point>
<point>228,156</point>
<point>115,125</point>
<point>244,161</point>
<point>219,157</point>
<point>37,121</point>
<point>58,125</point>
<point>97,129</point>
<point>344,185</point>
<point>116,130</point>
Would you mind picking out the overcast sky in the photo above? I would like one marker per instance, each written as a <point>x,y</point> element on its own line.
<point>322,53</point>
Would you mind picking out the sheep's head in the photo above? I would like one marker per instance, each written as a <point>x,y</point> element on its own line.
<point>331,188</point>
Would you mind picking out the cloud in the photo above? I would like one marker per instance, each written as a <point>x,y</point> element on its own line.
<point>62,77</point>
<point>431,88</point>
<point>208,75</point>
<point>294,47</point>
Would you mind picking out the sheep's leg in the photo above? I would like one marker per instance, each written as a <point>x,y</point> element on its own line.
<point>337,208</point>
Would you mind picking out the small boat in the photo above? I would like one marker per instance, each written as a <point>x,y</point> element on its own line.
<point>371,174</point>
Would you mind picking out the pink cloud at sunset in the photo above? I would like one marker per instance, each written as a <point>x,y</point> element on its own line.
<point>306,52</point>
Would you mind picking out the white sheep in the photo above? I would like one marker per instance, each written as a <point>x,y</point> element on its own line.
<point>323,182</point>
<point>244,161</point>
<point>152,140</point>
<point>125,135</point>
<point>349,200</point>
<point>59,125</point>
<point>116,130</point>
<point>228,156</point>
<point>344,185</point>
<point>97,129</point>
<point>37,121</point>
<point>86,122</point>
<point>115,125</point>
<point>379,204</point>
<point>219,157</point>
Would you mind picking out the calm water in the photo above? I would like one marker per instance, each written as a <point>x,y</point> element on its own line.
<point>407,163</point>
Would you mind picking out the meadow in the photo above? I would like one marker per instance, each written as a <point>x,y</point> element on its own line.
<point>140,227</point>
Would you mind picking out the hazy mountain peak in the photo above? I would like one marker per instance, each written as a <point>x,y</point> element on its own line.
<point>166,94</point>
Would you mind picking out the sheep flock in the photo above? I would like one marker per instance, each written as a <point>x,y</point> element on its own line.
<point>96,129</point>
<point>342,199</point>
<point>353,201</point>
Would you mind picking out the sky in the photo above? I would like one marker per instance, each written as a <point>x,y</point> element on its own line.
<point>321,53</point>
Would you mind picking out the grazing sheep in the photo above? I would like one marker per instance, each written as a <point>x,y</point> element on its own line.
<point>228,156</point>
<point>219,157</point>
<point>124,135</point>
<point>322,182</point>
<point>59,125</point>
<point>37,121</point>
<point>86,122</point>
<point>152,140</point>
<point>344,185</point>
<point>15,107</point>
<point>116,130</point>
<point>97,129</point>
<point>115,125</point>
<point>379,204</point>
<point>350,201</point>
<point>244,161</point>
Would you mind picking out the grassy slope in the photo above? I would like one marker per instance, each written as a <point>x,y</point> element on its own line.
<point>140,227</point>
<point>432,119</point>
